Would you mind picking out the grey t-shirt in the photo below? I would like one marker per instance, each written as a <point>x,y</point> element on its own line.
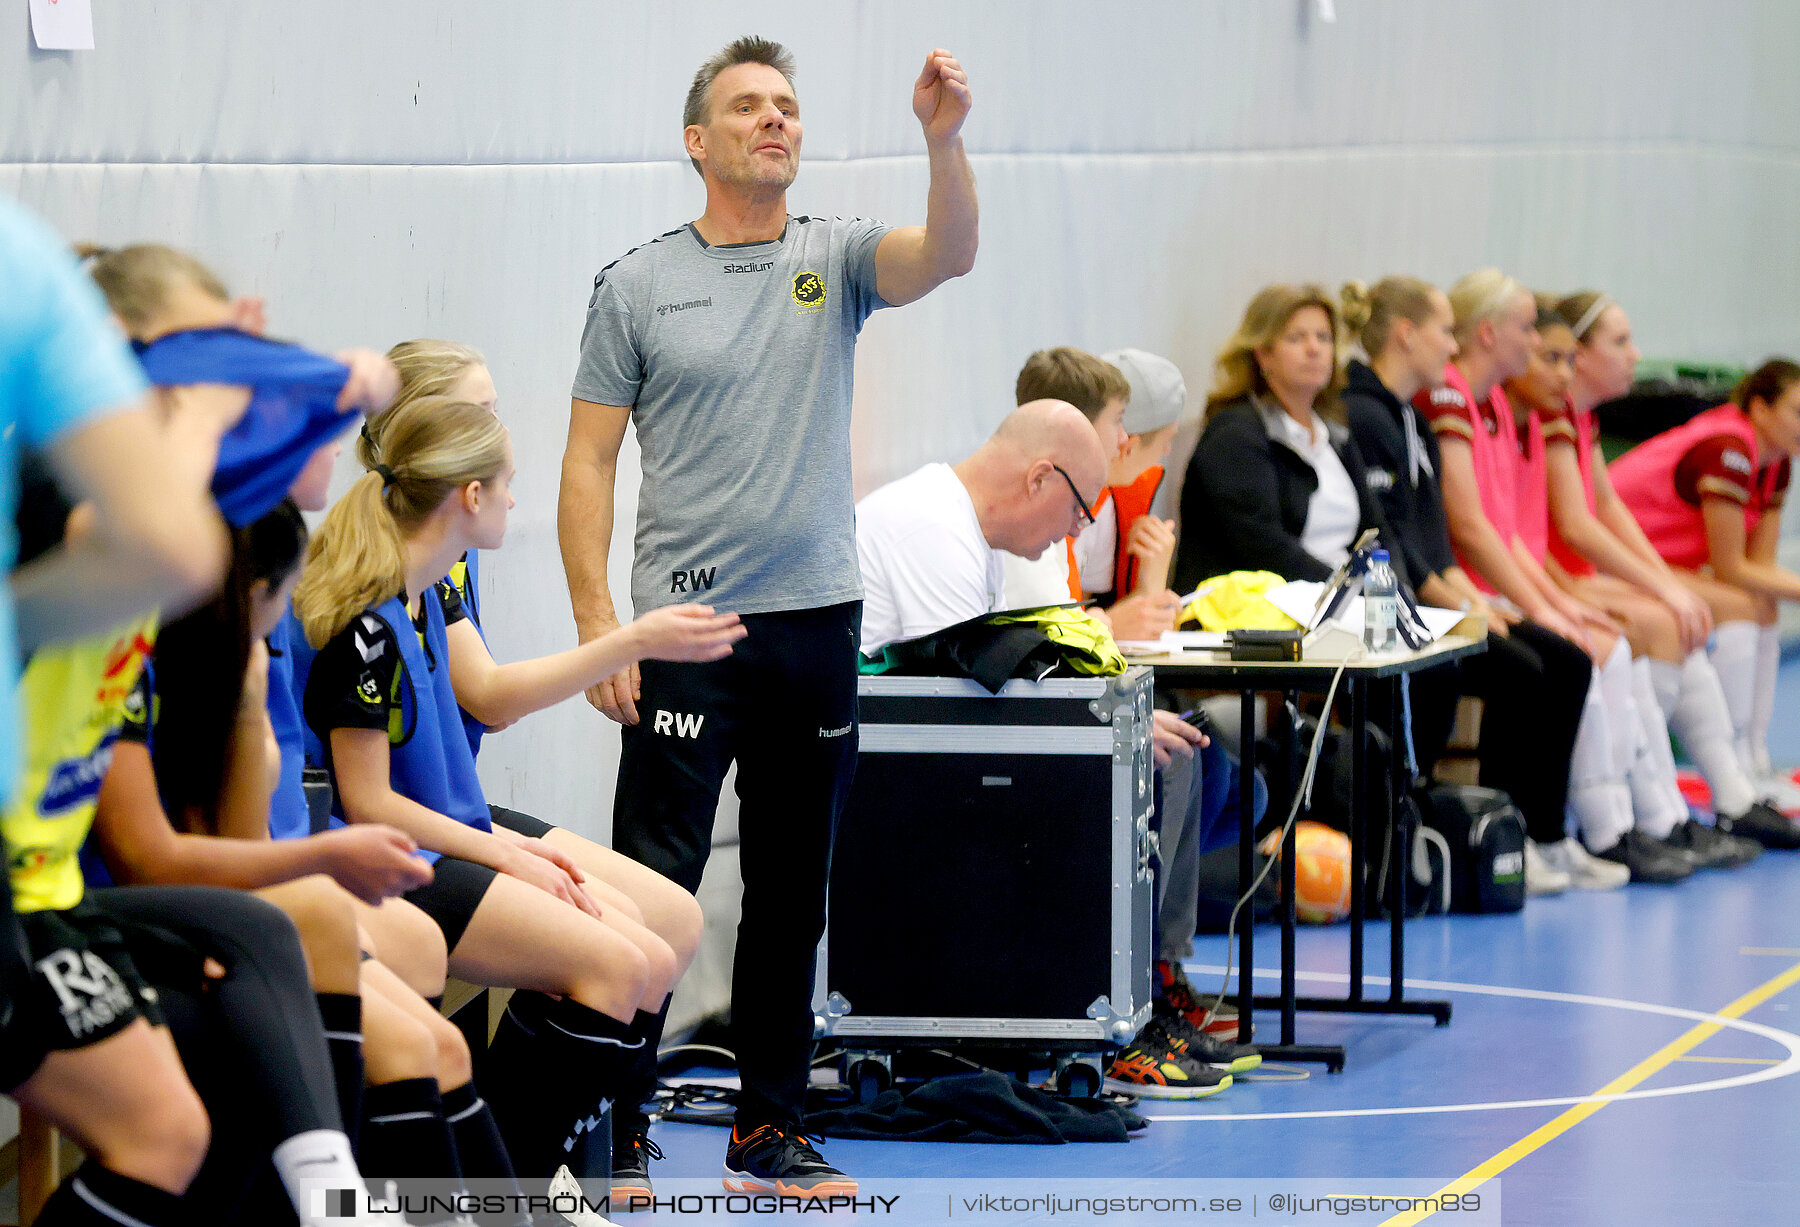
<point>737,362</point>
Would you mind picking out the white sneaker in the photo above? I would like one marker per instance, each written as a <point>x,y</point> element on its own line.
<point>564,1184</point>
<point>1586,871</point>
<point>1541,877</point>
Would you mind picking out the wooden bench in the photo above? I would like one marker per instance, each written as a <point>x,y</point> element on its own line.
<point>42,1163</point>
<point>1461,762</point>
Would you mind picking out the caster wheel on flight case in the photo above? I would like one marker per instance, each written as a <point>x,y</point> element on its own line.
<point>867,1077</point>
<point>1078,1079</point>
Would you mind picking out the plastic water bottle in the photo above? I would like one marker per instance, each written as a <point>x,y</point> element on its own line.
<point>1381,605</point>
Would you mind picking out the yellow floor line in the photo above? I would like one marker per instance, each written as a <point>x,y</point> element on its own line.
<point>1732,1060</point>
<point>1696,1035</point>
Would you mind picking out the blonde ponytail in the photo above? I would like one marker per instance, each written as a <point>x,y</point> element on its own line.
<point>1370,311</point>
<point>431,447</point>
<point>1354,307</point>
<point>355,560</point>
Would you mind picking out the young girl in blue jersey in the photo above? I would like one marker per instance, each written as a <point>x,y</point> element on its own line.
<point>431,367</point>
<point>516,910</point>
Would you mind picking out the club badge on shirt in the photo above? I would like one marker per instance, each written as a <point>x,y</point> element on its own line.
<point>809,293</point>
<point>369,690</point>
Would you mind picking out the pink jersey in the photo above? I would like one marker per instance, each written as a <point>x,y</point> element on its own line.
<point>1510,483</point>
<point>1531,484</point>
<point>1666,479</point>
<point>1577,430</point>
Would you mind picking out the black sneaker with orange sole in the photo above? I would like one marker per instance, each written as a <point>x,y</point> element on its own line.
<point>1156,1066</point>
<point>1233,1058</point>
<point>632,1152</point>
<point>775,1159</point>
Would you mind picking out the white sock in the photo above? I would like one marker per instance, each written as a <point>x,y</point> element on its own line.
<point>1657,762</point>
<point>1619,693</point>
<point>1598,797</point>
<point>1665,680</point>
<point>1700,718</point>
<point>1734,660</point>
<point>1762,707</point>
<point>312,1164</point>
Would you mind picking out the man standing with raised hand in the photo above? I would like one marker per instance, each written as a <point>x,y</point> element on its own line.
<point>730,343</point>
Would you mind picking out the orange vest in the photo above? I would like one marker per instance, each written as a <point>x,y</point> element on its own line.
<point>1129,503</point>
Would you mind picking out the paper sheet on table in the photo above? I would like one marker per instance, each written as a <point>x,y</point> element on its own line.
<point>63,25</point>
<point>1297,598</point>
<point>1175,641</point>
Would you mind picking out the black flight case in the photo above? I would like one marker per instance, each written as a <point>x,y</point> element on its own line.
<point>991,889</point>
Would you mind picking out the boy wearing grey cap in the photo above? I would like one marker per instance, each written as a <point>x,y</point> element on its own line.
<point>1122,575</point>
<point>1127,552</point>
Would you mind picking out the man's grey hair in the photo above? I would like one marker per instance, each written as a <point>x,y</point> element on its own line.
<point>749,49</point>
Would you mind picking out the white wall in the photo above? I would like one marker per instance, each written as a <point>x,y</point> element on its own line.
<point>461,169</point>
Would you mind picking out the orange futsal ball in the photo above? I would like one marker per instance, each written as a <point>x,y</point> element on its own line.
<point>1321,872</point>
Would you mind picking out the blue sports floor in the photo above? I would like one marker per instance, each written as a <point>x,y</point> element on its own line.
<point>1680,1000</point>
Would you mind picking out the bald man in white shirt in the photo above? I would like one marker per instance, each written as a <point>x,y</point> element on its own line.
<point>931,544</point>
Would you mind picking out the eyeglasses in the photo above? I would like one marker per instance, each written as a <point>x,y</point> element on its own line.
<point>1087,514</point>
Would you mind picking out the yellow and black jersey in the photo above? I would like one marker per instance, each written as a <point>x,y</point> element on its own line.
<point>72,698</point>
<point>464,584</point>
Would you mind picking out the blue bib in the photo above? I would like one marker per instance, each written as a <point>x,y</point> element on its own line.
<point>288,815</point>
<point>432,764</point>
<point>470,591</point>
<point>300,655</point>
<point>293,409</point>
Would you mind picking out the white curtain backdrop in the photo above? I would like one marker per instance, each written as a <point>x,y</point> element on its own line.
<point>461,169</point>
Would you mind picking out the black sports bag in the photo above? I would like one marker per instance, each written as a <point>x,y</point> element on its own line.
<point>1486,837</point>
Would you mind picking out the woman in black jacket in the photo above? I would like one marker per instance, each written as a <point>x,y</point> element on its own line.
<point>1405,326</point>
<point>1277,483</point>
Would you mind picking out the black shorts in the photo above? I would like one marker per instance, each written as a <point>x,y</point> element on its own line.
<point>451,897</point>
<point>82,987</point>
<point>523,824</point>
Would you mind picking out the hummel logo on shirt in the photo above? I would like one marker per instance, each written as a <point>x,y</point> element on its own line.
<point>368,648</point>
